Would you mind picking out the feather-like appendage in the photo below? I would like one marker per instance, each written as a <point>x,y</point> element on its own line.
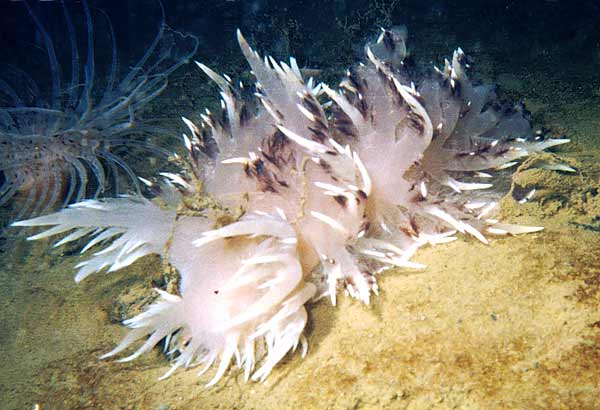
<point>135,227</point>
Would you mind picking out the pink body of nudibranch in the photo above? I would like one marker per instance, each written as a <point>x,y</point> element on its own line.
<point>323,189</point>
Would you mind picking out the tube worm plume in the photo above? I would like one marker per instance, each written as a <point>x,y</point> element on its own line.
<point>62,145</point>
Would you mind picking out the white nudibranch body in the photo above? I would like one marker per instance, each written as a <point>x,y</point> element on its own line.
<point>315,190</point>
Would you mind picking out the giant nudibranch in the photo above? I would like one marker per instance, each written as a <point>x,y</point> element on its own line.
<point>62,147</point>
<point>299,191</point>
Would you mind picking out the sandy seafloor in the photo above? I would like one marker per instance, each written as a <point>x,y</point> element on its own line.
<point>512,325</point>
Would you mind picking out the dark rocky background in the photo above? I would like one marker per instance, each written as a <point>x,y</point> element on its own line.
<point>330,34</point>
